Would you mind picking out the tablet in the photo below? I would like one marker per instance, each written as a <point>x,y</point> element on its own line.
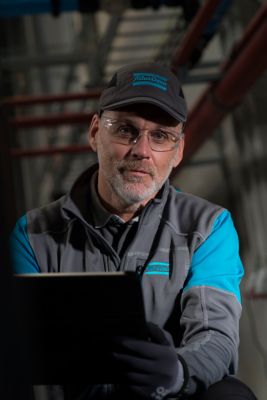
<point>67,322</point>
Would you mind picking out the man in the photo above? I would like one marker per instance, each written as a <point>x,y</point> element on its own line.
<point>123,215</point>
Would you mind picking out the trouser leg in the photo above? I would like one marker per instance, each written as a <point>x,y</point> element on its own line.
<point>227,389</point>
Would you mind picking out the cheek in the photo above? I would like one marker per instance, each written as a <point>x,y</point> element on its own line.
<point>108,152</point>
<point>165,163</point>
<point>117,152</point>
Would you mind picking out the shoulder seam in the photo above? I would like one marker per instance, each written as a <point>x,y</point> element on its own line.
<point>181,233</point>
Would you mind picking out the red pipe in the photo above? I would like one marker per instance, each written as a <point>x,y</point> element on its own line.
<point>51,98</point>
<point>222,97</point>
<point>256,21</point>
<point>193,33</point>
<point>51,120</point>
<point>256,296</point>
<point>49,151</point>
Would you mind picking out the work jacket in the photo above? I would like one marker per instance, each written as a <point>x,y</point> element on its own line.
<point>185,251</point>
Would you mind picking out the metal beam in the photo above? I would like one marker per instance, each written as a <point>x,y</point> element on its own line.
<point>50,151</point>
<point>52,98</point>
<point>146,32</point>
<point>241,72</point>
<point>151,17</point>
<point>193,33</point>
<point>48,60</point>
<point>64,118</point>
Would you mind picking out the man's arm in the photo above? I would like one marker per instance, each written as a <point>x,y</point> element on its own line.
<point>22,255</point>
<point>211,307</point>
<point>210,320</point>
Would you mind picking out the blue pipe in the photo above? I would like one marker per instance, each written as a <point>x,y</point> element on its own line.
<point>17,8</point>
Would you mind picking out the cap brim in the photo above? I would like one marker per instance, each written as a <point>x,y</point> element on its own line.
<point>179,116</point>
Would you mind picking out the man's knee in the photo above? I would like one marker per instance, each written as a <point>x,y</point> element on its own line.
<point>228,389</point>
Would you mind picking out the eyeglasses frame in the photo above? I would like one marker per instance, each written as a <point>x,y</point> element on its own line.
<point>180,135</point>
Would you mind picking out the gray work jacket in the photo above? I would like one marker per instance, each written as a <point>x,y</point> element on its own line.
<point>186,250</point>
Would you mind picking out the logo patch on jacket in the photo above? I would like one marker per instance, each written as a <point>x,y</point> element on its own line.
<point>157,268</point>
<point>149,79</point>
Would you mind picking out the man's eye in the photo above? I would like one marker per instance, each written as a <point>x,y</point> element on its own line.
<point>126,131</point>
<point>159,136</point>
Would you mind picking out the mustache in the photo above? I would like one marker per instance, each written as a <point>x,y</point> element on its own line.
<point>135,165</point>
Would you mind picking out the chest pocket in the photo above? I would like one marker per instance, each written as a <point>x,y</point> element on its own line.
<point>167,270</point>
<point>162,278</point>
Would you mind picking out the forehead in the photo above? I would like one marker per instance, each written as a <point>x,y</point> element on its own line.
<point>145,112</point>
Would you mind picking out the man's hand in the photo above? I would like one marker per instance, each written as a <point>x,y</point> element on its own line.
<point>149,369</point>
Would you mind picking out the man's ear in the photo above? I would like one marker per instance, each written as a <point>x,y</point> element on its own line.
<point>179,154</point>
<point>92,132</point>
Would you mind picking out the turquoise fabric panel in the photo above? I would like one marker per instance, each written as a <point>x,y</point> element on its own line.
<point>216,262</point>
<point>22,255</point>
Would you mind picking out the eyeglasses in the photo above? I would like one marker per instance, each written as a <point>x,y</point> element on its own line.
<point>123,132</point>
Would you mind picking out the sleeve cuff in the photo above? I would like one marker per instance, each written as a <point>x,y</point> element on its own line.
<point>179,381</point>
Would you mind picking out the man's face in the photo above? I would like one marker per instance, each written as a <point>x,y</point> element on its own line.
<point>134,173</point>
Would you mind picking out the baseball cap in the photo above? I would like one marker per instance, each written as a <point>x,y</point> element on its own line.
<point>145,83</point>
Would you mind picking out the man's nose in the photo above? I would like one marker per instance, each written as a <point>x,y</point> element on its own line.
<point>141,146</point>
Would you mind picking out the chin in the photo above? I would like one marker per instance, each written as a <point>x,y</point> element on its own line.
<point>131,196</point>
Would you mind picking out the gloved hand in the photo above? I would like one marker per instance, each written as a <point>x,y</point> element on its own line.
<point>149,369</point>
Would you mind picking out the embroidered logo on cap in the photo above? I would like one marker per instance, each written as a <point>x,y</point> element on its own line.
<point>149,79</point>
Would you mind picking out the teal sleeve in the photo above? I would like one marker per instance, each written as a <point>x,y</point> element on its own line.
<point>216,263</point>
<point>22,256</point>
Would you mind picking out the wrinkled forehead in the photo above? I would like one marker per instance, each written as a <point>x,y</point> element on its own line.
<point>146,112</point>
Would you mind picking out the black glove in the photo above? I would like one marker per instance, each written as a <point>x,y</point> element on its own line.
<point>148,369</point>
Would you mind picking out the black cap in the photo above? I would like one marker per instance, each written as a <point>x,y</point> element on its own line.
<point>145,83</point>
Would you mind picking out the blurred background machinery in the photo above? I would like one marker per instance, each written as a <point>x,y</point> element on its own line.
<point>56,56</point>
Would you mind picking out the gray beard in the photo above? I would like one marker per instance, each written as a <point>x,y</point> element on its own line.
<point>130,196</point>
<point>125,191</point>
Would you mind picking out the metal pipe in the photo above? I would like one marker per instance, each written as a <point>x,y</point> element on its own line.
<point>52,98</point>
<point>51,120</point>
<point>223,96</point>
<point>254,296</point>
<point>49,151</point>
<point>257,20</point>
<point>143,33</point>
<point>193,33</point>
<point>18,63</point>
